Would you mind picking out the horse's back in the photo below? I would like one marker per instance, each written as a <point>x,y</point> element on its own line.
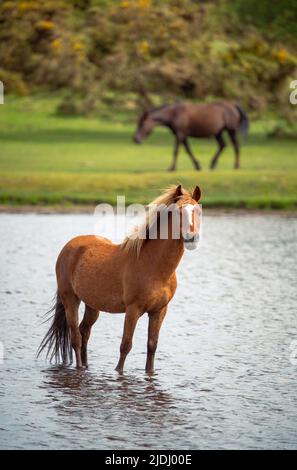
<point>208,119</point>
<point>77,246</point>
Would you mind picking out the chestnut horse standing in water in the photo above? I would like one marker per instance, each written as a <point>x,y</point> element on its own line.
<point>135,277</point>
<point>196,120</point>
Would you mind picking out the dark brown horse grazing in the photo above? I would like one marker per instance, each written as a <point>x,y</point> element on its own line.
<point>196,120</point>
<point>135,277</point>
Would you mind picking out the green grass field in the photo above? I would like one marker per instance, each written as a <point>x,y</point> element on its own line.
<point>51,160</point>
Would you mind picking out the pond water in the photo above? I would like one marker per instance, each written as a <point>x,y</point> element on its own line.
<point>225,369</point>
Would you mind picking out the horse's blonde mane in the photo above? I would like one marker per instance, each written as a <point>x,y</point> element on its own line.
<point>133,244</point>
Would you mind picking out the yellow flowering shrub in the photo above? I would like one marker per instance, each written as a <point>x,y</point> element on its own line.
<point>45,25</point>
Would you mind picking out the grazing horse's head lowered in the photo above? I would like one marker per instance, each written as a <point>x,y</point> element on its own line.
<point>144,127</point>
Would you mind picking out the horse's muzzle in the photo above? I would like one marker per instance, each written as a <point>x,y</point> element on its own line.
<point>137,139</point>
<point>191,240</point>
<point>191,237</point>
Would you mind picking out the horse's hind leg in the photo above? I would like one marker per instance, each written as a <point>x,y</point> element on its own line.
<point>155,322</point>
<point>222,145</point>
<point>235,143</point>
<point>71,304</point>
<point>90,316</point>
<point>191,155</point>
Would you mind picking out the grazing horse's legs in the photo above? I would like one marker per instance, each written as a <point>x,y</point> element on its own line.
<point>175,155</point>
<point>191,155</point>
<point>222,145</point>
<point>155,322</point>
<point>235,143</point>
<point>131,318</point>
<point>71,304</point>
<point>85,326</point>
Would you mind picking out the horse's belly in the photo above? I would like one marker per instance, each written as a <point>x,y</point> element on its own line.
<point>206,124</point>
<point>206,129</point>
<point>117,308</point>
<point>100,294</point>
<point>200,134</point>
<point>98,283</point>
<point>112,304</point>
<point>155,296</point>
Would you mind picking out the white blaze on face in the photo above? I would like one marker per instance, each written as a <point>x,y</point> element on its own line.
<point>188,226</point>
<point>187,216</point>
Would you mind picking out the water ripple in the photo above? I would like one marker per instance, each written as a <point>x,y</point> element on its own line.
<point>223,377</point>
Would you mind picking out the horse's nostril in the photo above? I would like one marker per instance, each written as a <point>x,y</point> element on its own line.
<point>191,237</point>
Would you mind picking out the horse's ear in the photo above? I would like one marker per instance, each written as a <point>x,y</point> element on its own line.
<point>197,193</point>
<point>178,191</point>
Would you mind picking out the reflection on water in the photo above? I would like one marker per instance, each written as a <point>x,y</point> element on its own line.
<point>81,397</point>
<point>107,392</point>
<point>224,377</point>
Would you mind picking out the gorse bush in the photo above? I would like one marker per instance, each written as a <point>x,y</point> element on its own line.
<point>41,42</point>
<point>151,51</point>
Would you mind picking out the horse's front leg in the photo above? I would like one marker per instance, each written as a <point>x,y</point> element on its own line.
<point>131,318</point>
<point>194,160</point>
<point>155,322</point>
<point>175,155</point>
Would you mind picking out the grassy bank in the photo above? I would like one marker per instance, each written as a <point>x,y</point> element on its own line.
<point>46,159</point>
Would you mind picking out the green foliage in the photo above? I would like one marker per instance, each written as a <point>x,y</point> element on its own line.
<point>72,106</point>
<point>152,51</point>
<point>274,18</point>
<point>13,82</point>
<point>41,41</point>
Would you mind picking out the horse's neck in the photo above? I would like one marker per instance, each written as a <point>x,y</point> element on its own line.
<point>163,256</point>
<point>162,116</point>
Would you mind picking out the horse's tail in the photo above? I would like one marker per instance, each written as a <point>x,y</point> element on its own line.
<point>244,120</point>
<point>57,340</point>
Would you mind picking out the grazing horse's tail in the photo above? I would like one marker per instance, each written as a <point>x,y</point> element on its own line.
<point>57,339</point>
<point>244,120</point>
